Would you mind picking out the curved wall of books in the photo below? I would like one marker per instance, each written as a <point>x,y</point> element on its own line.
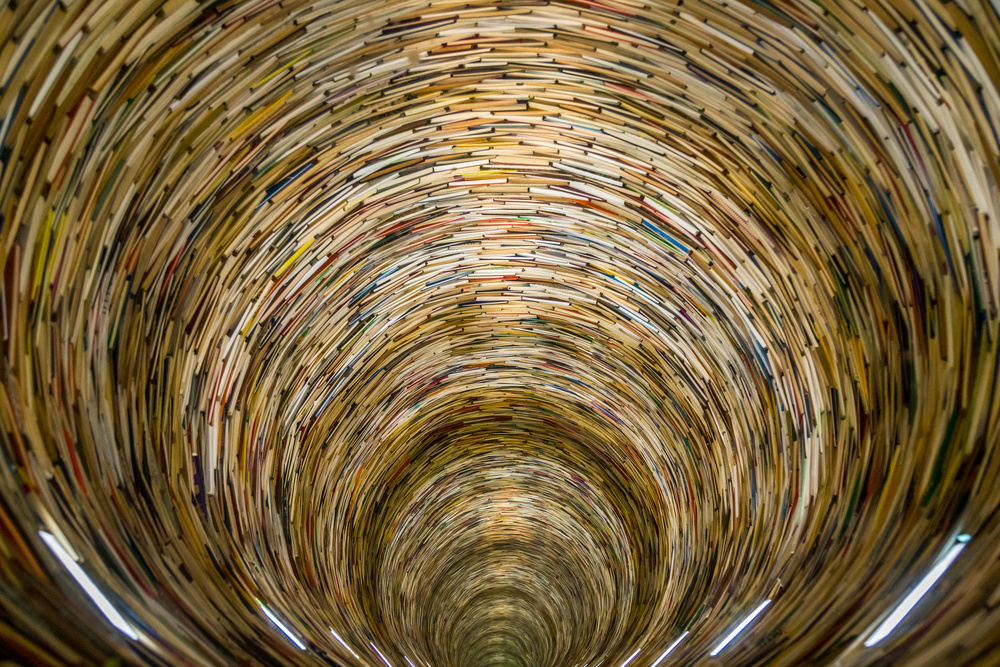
<point>524,333</point>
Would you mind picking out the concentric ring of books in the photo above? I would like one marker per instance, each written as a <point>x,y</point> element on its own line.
<point>474,333</point>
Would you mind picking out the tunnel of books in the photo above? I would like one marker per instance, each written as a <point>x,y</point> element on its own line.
<point>524,333</point>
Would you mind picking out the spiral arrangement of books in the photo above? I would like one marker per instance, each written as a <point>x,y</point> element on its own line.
<point>534,333</point>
